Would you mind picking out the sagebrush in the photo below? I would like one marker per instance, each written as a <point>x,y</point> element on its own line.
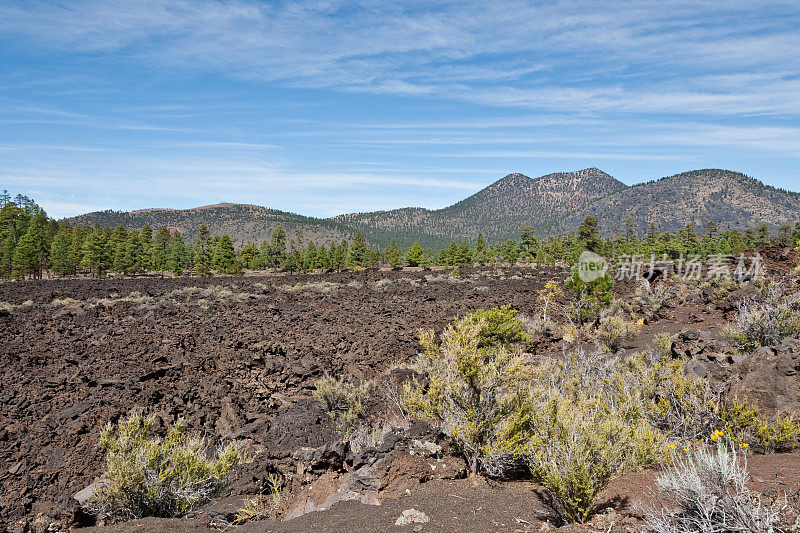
<point>165,476</point>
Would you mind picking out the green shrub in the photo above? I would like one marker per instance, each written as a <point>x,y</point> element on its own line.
<point>583,443</point>
<point>154,476</point>
<point>344,402</point>
<point>588,298</point>
<point>663,342</point>
<point>499,325</point>
<point>613,332</point>
<point>761,434</point>
<point>475,392</point>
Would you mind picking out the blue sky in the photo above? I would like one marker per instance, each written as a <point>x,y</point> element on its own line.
<point>336,106</point>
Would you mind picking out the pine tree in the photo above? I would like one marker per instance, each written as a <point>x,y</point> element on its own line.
<point>201,253</point>
<point>481,250</point>
<point>95,252</point>
<point>323,258</point>
<point>589,232</point>
<point>711,229</point>
<point>450,255</point>
<point>509,251</point>
<point>464,256</point>
<point>250,257</point>
<point>146,243</point>
<point>11,224</point>
<point>61,254</point>
<point>278,246</point>
<point>358,252</point>
<point>393,256</point>
<point>30,254</point>
<point>178,258</point>
<point>415,256</point>
<point>128,257</point>
<point>310,256</point>
<point>224,259</point>
<point>160,249</point>
<point>528,241</point>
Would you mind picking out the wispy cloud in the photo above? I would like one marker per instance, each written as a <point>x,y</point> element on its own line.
<point>308,105</point>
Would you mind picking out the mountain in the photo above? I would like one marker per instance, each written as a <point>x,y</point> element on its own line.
<point>242,222</point>
<point>498,211</point>
<point>551,204</point>
<point>731,199</point>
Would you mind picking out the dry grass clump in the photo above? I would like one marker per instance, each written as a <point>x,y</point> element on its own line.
<point>60,302</point>
<point>155,476</point>
<point>260,506</point>
<point>765,321</point>
<point>648,301</point>
<point>449,278</point>
<point>316,286</point>
<point>614,332</point>
<point>346,405</point>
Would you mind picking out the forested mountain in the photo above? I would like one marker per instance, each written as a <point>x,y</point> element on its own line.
<point>498,211</point>
<point>731,199</point>
<point>243,223</point>
<point>550,204</point>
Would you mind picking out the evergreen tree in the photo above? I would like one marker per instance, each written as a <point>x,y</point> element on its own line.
<point>481,250</point>
<point>95,256</point>
<point>178,258</point>
<point>711,229</point>
<point>589,232</point>
<point>464,256</point>
<point>61,253</point>
<point>323,258</point>
<point>202,252</point>
<point>339,256</point>
<point>146,244</point>
<point>393,256</point>
<point>128,258</point>
<point>224,259</point>
<point>415,256</point>
<point>10,223</point>
<point>160,249</point>
<point>250,257</point>
<point>293,261</point>
<point>278,246</point>
<point>310,256</point>
<point>373,258</point>
<point>528,242</point>
<point>30,254</point>
<point>358,252</point>
<point>509,251</point>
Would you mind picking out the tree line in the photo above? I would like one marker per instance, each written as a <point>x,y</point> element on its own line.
<point>31,244</point>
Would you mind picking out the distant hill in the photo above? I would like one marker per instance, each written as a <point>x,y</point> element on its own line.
<point>731,199</point>
<point>242,222</point>
<point>550,204</point>
<point>498,211</point>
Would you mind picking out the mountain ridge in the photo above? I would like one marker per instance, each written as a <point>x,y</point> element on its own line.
<point>551,203</point>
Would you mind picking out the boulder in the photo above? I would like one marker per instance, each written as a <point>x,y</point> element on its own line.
<point>769,377</point>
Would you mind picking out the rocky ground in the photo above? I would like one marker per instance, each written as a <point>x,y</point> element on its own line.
<point>238,357</point>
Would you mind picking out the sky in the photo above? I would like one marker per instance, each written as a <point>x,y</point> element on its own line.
<point>327,107</point>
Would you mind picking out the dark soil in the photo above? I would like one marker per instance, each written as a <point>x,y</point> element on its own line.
<point>229,366</point>
<point>238,358</point>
